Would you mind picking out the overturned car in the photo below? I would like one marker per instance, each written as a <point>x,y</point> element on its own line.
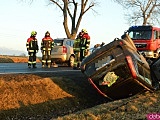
<point>117,70</point>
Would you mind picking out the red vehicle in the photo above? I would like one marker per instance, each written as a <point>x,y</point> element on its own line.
<point>146,40</point>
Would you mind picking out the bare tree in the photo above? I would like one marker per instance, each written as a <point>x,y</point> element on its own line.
<point>70,9</point>
<point>145,11</point>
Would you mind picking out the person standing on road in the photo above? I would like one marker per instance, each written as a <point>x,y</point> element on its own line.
<point>76,49</point>
<point>32,48</point>
<point>84,44</point>
<point>81,47</point>
<point>46,47</point>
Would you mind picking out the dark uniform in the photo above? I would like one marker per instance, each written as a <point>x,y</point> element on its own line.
<point>46,47</point>
<point>84,45</point>
<point>32,48</point>
<point>76,49</point>
<point>81,47</point>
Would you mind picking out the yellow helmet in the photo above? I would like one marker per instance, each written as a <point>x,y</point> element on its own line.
<point>84,30</point>
<point>33,33</point>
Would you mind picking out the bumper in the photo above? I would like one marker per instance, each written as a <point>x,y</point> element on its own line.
<point>59,58</point>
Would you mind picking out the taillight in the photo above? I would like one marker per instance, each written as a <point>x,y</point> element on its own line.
<point>64,49</point>
<point>131,66</point>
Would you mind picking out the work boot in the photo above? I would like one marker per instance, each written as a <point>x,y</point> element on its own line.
<point>54,64</point>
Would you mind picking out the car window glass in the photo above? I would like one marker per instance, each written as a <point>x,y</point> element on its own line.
<point>68,42</point>
<point>58,42</point>
<point>71,43</point>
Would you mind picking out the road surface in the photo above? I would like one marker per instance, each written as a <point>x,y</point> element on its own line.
<point>7,68</point>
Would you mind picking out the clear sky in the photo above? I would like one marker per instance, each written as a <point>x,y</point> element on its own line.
<point>19,18</point>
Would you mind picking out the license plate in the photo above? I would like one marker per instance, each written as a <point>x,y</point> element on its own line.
<point>55,49</point>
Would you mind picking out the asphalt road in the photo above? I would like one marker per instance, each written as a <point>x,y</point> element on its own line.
<point>7,68</point>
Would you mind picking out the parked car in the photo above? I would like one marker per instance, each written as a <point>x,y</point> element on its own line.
<point>117,70</point>
<point>62,51</point>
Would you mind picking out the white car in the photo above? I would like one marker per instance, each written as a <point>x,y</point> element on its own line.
<point>62,51</point>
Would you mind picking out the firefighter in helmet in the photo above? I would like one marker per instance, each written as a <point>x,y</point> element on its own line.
<point>81,47</point>
<point>32,48</point>
<point>46,47</point>
<point>84,44</point>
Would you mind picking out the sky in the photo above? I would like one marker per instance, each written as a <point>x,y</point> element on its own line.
<point>19,18</point>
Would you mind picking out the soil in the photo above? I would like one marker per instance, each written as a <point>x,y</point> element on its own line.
<point>66,96</point>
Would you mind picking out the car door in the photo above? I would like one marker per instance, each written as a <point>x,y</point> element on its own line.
<point>69,45</point>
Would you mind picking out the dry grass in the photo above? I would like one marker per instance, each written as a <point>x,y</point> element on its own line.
<point>126,109</point>
<point>15,59</point>
<point>15,94</point>
<point>28,96</point>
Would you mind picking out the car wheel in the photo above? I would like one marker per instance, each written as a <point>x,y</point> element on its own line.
<point>71,61</point>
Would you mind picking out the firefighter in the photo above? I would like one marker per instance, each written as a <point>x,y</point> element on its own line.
<point>76,49</point>
<point>84,44</point>
<point>81,47</point>
<point>46,47</point>
<point>32,48</point>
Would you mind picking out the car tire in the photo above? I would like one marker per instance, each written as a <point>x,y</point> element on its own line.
<point>71,61</point>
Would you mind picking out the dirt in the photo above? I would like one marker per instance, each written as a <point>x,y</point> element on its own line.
<point>49,95</point>
<point>66,96</point>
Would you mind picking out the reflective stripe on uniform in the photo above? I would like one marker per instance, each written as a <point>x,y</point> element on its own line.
<point>76,49</point>
<point>49,52</point>
<point>48,61</point>
<point>46,48</point>
<point>29,62</point>
<point>87,45</point>
<point>44,61</point>
<point>83,47</point>
<point>27,44</point>
<point>34,62</point>
<point>31,50</point>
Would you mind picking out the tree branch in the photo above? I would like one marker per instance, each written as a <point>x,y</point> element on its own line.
<point>57,4</point>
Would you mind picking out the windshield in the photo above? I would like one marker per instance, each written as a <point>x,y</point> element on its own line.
<point>136,35</point>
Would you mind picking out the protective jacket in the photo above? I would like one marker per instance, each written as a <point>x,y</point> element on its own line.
<point>32,48</point>
<point>32,44</point>
<point>85,41</point>
<point>46,47</point>
<point>76,44</point>
<point>47,43</point>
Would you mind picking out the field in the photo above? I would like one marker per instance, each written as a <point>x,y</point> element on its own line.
<point>67,96</point>
<point>15,59</point>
